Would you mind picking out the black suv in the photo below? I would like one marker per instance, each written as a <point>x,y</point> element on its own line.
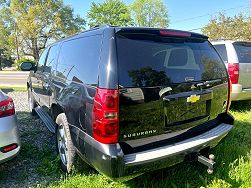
<point>131,100</point>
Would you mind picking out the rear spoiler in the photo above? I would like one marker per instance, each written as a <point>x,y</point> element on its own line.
<point>161,32</point>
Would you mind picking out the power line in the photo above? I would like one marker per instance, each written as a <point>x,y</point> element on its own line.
<point>247,6</point>
<point>209,14</point>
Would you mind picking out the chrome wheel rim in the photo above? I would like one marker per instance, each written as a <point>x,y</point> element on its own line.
<point>62,144</point>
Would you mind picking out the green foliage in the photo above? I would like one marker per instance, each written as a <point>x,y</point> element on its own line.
<point>150,13</point>
<point>18,63</point>
<point>226,27</point>
<point>32,23</point>
<point>50,163</point>
<point>148,76</point>
<point>5,59</point>
<point>111,12</point>
<point>6,39</point>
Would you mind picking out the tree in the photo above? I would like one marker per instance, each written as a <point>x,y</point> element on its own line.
<point>226,27</point>
<point>34,22</point>
<point>5,59</point>
<point>111,12</point>
<point>146,76</point>
<point>6,44</point>
<point>150,13</point>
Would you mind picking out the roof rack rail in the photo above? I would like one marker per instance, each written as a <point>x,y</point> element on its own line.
<point>94,28</point>
<point>221,39</point>
<point>224,39</point>
<point>100,26</point>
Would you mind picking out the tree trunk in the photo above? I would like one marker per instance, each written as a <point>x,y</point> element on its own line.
<point>35,49</point>
<point>17,45</point>
<point>1,53</point>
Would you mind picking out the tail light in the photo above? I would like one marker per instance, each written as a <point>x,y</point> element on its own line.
<point>233,70</point>
<point>8,148</point>
<point>7,107</point>
<point>229,94</point>
<point>105,122</point>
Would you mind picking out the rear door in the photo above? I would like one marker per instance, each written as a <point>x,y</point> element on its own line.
<point>243,51</point>
<point>46,76</point>
<point>168,84</point>
<point>37,75</point>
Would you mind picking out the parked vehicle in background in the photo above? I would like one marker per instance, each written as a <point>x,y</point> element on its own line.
<point>9,136</point>
<point>237,58</point>
<point>132,100</point>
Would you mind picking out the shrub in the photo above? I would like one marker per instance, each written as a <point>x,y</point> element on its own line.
<point>18,63</point>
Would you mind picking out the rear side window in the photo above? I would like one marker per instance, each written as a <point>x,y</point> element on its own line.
<point>79,59</point>
<point>243,50</point>
<point>162,61</point>
<point>221,48</point>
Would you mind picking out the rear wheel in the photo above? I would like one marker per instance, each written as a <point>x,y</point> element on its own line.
<point>32,103</point>
<point>65,146</point>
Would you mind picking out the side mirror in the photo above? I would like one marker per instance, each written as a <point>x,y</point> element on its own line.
<point>27,66</point>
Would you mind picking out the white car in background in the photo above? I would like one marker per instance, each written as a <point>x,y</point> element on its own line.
<point>237,58</point>
<point>9,136</point>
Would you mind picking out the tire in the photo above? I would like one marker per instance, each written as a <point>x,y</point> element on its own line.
<point>31,102</point>
<point>64,144</point>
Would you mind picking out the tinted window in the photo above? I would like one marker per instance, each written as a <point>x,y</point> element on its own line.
<point>159,61</point>
<point>79,60</point>
<point>243,50</point>
<point>51,61</point>
<point>40,64</point>
<point>221,48</point>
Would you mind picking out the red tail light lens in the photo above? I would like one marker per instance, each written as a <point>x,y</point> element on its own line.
<point>8,148</point>
<point>105,122</point>
<point>233,70</point>
<point>7,107</point>
<point>229,94</point>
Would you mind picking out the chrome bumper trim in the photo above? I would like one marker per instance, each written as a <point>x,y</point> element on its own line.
<point>180,147</point>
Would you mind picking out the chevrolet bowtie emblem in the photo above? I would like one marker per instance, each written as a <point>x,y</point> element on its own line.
<point>193,98</point>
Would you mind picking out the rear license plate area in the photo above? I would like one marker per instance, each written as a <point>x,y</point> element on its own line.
<point>180,112</point>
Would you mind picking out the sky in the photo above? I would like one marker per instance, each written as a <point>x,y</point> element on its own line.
<point>183,15</point>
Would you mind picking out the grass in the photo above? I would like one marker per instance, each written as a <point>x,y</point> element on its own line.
<point>7,89</point>
<point>233,156</point>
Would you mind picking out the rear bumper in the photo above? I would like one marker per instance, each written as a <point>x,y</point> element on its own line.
<point>110,160</point>
<point>239,93</point>
<point>9,135</point>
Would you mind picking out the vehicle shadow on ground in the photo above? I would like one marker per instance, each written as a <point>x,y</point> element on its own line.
<point>240,106</point>
<point>37,159</point>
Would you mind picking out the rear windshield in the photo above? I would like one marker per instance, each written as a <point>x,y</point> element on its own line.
<point>243,50</point>
<point>157,61</point>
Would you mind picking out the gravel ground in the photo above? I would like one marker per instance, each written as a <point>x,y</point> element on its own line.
<point>37,158</point>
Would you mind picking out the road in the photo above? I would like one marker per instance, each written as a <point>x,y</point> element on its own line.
<point>14,79</point>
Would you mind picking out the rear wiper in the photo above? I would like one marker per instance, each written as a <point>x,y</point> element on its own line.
<point>207,83</point>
